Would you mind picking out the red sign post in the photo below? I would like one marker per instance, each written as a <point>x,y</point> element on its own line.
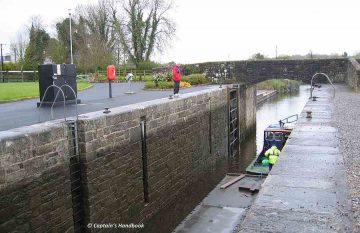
<point>111,74</point>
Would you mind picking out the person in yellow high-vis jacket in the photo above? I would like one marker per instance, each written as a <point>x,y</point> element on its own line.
<point>273,154</point>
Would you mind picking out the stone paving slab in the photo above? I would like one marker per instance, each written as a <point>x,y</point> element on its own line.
<point>298,149</point>
<point>222,211</point>
<point>298,198</point>
<point>313,167</point>
<point>313,139</point>
<point>309,127</point>
<point>209,219</point>
<point>302,182</point>
<point>319,107</point>
<point>292,221</point>
<point>317,115</point>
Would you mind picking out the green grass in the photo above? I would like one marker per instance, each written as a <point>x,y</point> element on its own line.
<point>281,85</point>
<point>143,78</point>
<point>161,85</point>
<point>23,90</point>
<point>193,79</point>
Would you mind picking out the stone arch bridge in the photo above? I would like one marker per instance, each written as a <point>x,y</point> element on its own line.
<point>251,72</point>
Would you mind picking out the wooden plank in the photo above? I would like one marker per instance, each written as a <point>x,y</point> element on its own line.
<point>233,174</point>
<point>236,179</point>
<point>248,175</point>
<point>253,189</point>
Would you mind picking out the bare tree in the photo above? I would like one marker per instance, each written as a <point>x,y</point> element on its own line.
<point>95,36</point>
<point>111,30</point>
<point>97,19</point>
<point>144,28</point>
<point>18,46</point>
<point>14,50</point>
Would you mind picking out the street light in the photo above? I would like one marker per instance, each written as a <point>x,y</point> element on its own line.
<point>71,54</point>
<point>2,63</point>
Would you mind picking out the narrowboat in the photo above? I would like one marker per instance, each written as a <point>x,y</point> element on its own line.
<point>274,135</point>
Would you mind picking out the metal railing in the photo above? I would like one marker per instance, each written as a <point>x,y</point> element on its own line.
<point>289,119</point>
<point>62,92</point>
<point>312,86</point>
<point>64,100</point>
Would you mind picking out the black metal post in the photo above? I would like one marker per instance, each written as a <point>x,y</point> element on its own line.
<point>2,64</point>
<point>144,159</point>
<point>110,91</point>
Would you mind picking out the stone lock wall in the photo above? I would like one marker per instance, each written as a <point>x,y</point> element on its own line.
<point>247,107</point>
<point>35,191</point>
<point>353,76</point>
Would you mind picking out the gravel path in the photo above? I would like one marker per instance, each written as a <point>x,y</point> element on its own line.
<point>347,119</point>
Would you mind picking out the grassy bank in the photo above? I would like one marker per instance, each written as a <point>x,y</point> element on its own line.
<point>164,85</point>
<point>186,81</point>
<point>23,90</point>
<point>281,85</point>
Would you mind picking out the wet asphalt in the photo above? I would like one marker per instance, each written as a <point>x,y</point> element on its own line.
<point>25,112</point>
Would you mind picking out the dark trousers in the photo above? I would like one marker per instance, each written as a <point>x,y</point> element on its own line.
<point>270,166</point>
<point>176,87</point>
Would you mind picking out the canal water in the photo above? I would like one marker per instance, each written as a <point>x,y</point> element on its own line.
<point>268,112</point>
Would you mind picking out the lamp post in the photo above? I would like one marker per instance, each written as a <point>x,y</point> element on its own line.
<point>71,53</point>
<point>2,63</point>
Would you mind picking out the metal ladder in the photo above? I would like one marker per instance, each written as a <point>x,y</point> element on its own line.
<point>233,123</point>
<point>74,158</point>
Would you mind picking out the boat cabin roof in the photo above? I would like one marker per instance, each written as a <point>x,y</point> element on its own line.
<point>277,128</point>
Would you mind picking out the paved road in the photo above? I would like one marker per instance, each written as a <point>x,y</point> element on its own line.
<point>25,112</point>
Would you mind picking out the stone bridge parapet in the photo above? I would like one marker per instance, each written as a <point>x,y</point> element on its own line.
<point>251,72</point>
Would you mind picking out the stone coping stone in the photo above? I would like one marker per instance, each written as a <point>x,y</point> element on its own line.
<point>31,129</point>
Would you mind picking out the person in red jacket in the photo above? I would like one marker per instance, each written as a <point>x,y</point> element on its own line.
<point>176,76</point>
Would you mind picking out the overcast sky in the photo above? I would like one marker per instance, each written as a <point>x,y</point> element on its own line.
<point>216,30</point>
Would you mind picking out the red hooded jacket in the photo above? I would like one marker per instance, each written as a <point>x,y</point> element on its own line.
<point>176,73</point>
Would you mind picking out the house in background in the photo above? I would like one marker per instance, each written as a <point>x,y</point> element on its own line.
<point>7,58</point>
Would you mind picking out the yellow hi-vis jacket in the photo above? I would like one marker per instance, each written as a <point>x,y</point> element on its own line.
<point>273,159</point>
<point>272,151</point>
<point>273,154</point>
